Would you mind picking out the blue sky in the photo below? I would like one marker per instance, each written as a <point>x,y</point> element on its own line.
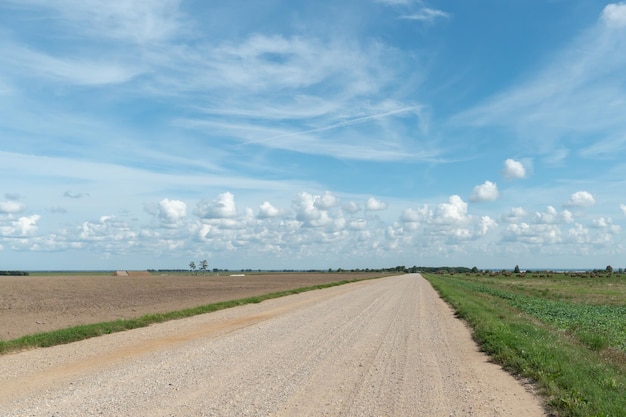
<point>281,134</point>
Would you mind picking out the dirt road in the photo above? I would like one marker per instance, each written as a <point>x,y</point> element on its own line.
<point>41,303</point>
<point>387,347</point>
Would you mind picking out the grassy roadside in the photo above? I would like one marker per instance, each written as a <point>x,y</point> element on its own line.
<point>81,332</point>
<point>574,351</point>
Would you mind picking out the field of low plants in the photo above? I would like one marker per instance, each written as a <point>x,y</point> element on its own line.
<point>566,332</point>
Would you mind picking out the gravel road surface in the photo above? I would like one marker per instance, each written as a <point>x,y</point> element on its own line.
<point>385,347</point>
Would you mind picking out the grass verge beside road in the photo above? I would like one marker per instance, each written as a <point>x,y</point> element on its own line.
<point>76,333</point>
<point>565,334</point>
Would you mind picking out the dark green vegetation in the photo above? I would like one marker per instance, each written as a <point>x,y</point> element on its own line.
<point>14,273</point>
<point>81,332</point>
<point>567,333</point>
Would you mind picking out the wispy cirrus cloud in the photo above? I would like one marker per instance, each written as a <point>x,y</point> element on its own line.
<point>415,10</point>
<point>313,87</point>
<point>426,14</point>
<point>578,92</point>
<point>79,71</point>
<point>129,20</point>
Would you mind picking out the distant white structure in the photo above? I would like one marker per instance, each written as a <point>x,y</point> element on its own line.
<point>131,273</point>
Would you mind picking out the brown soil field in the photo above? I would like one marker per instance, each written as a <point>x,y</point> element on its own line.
<point>34,304</point>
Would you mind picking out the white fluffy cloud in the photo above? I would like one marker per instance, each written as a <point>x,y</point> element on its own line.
<point>485,192</point>
<point>623,208</point>
<point>267,210</point>
<point>373,204</point>
<point>317,225</point>
<point>222,207</point>
<point>581,199</point>
<point>515,215</point>
<point>304,204</point>
<point>11,207</point>
<point>351,207</point>
<point>552,216</point>
<point>533,234</point>
<point>513,169</point>
<point>485,224</point>
<point>108,229</point>
<point>452,212</point>
<point>416,215</point>
<point>326,201</point>
<point>357,224</point>
<point>313,211</point>
<point>24,226</point>
<point>172,212</point>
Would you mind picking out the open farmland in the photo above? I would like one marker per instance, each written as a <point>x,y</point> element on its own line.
<point>382,347</point>
<point>566,332</point>
<point>41,303</point>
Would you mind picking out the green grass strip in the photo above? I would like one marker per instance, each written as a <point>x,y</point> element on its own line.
<point>81,332</point>
<point>576,380</point>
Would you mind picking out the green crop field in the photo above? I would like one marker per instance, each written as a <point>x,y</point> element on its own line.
<point>565,332</point>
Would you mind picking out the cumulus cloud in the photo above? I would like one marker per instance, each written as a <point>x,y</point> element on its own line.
<point>326,201</point>
<point>109,235</point>
<point>485,224</point>
<point>484,192</point>
<point>351,207</point>
<point>606,225</point>
<point>374,204</point>
<point>11,206</point>
<point>533,234</point>
<point>581,199</point>
<point>304,205</point>
<point>579,234</point>
<point>357,224</point>
<point>513,169</point>
<point>222,207</point>
<point>309,212</point>
<point>24,226</point>
<point>267,211</point>
<point>411,215</point>
<point>552,216</point>
<point>602,222</point>
<point>614,14</point>
<point>172,212</point>
<point>454,211</point>
<point>515,215</point>
<point>623,208</point>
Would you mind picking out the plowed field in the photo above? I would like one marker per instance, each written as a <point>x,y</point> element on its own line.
<point>33,304</point>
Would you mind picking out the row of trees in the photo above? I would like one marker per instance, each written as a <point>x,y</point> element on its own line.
<point>203,265</point>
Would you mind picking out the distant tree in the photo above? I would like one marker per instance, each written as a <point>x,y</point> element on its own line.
<point>474,270</point>
<point>609,269</point>
<point>516,270</point>
<point>204,265</point>
<point>192,266</point>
